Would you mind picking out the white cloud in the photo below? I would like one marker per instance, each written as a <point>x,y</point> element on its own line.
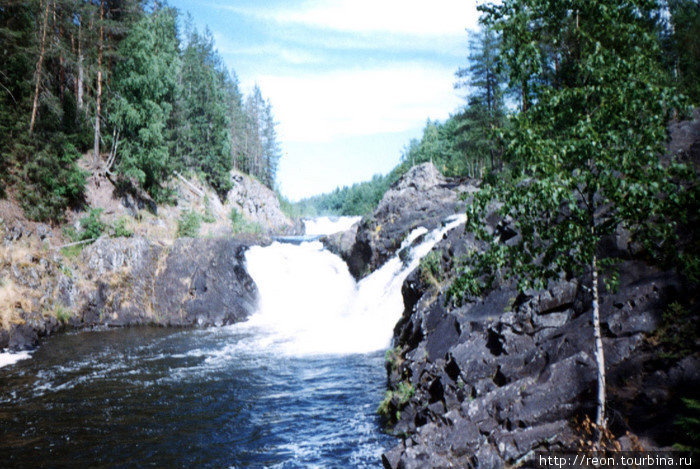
<point>437,18</point>
<point>270,51</point>
<point>322,106</point>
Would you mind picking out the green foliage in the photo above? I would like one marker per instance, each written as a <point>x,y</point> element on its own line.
<point>689,425</point>
<point>51,181</point>
<point>240,225</point>
<point>143,92</point>
<point>62,314</point>
<point>682,45</point>
<point>188,224</point>
<point>120,230</point>
<point>485,111</point>
<point>679,332</point>
<point>359,199</point>
<point>584,157</point>
<point>204,133</point>
<point>431,268</point>
<point>394,401</point>
<point>393,358</point>
<point>91,226</point>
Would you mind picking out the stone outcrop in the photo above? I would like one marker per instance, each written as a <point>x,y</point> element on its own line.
<point>501,377</point>
<point>129,281</point>
<point>258,204</point>
<point>341,244</point>
<point>422,197</point>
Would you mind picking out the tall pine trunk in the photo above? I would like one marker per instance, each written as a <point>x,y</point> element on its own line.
<point>39,63</point>
<point>81,76</point>
<point>98,100</point>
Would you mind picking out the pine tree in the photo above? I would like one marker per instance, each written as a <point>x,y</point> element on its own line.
<point>143,92</point>
<point>271,147</point>
<point>206,127</point>
<point>254,109</point>
<point>485,110</point>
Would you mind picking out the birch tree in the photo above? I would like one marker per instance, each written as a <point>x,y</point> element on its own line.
<point>584,155</point>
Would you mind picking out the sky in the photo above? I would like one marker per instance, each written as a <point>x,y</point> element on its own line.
<point>351,82</point>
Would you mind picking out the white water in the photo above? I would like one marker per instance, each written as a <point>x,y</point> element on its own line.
<point>311,305</point>
<point>10,358</point>
<point>328,225</point>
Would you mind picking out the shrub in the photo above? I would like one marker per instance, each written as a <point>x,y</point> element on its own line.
<point>51,181</point>
<point>188,224</point>
<point>91,226</point>
<point>395,400</point>
<point>431,268</point>
<point>119,229</point>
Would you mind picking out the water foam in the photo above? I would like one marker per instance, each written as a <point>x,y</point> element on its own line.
<point>328,225</point>
<point>311,305</point>
<point>10,358</point>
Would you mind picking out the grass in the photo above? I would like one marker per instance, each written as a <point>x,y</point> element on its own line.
<point>240,225</point>
<point>13,299</point>
<point>62,314</point>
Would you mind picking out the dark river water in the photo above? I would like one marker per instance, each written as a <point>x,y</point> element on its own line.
<point>188,398</point>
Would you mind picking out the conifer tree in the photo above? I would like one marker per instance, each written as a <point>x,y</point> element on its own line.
<point>143,91</point>
<point>206,126</point>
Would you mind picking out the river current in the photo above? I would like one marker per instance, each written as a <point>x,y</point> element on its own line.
<point>297,385</point>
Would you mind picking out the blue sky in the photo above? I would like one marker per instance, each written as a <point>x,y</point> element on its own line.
<point>350,81</point>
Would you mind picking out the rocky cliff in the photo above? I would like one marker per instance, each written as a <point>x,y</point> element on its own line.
<point>488,383</point>
<point>494,380</point>
<point>123,282</point>
<point>422,197</point>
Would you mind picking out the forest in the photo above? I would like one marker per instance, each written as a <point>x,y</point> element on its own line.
<point>508,72</point>
<point>142,94</point>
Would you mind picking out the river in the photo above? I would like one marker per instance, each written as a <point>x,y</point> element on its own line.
<point>297,385</point>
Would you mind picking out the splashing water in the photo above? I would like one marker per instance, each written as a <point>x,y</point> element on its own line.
<point>328,225</point>
<point>10,358</point>
<point>311,305</point>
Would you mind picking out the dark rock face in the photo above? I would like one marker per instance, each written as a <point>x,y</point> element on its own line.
<point>507,375</point>
<point>195,282</point>
<point>132,281</point>
<point>341,244</point>
<point>685,140</point>
<point>422,197</point>
<point>218,289</point>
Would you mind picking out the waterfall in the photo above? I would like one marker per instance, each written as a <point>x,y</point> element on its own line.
<point>328,225</point>
<point>311,305</point>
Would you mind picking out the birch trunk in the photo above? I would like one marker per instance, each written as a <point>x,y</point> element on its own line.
<point>599,352</point>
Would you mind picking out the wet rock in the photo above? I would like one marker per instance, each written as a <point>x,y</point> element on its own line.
<point>422,197</point>
<point>342,243</point>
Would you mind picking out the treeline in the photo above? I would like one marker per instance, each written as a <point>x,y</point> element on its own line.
<point>472,142</point>
<point>112,78</point>
<point>359,199</point>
